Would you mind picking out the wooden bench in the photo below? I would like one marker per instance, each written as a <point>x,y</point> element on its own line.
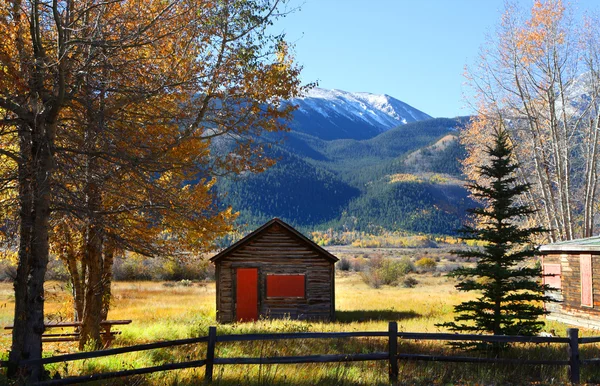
<point>106,333</point>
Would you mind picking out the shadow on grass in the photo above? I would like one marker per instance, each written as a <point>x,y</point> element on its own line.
<point>367,315</point>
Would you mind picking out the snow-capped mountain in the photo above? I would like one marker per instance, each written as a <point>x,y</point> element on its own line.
<point>336,114</point>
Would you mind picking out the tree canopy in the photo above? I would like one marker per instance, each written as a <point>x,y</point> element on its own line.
<point>538,80</point>
<point>507,284</point>
<point>117,117</point>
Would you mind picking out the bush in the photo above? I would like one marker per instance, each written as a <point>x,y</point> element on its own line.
<point>406,265</point>
<point>426,264</point>
<point>385,271</point>
<point>359,264</point>
<point>344,264</point>
<point>132,268</point>
<point>409,282</point>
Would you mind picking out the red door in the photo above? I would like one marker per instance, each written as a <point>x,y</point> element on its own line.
<point>585,265</point>
<point>247,294</point>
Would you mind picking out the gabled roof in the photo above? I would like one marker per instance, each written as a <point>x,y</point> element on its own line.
<point>588,244</point>
<point>264,228</point>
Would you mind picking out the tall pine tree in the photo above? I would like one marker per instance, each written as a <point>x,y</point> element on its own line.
<point>510,291</point>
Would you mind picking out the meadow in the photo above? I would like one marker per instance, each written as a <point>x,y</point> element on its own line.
<point>164,311</point>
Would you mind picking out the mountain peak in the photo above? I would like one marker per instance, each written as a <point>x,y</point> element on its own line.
<point>344,114</point>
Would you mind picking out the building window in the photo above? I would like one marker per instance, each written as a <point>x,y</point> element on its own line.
<point>552,281</point>
<point>286,286</point>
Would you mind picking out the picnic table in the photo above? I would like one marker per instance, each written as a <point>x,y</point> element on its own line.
<point>107,334</point>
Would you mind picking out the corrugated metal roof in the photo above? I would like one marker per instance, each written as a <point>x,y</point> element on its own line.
<point>583,245</point>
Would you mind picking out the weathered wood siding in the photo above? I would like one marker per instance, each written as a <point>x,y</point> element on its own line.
<point>277,251</point>
<point>570,310</point>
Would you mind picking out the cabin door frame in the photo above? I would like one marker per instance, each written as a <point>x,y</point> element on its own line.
<point>247,294</point>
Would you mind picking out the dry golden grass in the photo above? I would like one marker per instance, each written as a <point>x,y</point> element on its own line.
<point>163,313</point>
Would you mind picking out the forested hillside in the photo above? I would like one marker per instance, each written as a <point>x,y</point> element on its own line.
<point>406,178</point>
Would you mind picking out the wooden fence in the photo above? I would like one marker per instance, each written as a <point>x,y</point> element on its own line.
<point>572,341</point>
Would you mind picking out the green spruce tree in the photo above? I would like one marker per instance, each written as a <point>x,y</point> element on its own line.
<point>511,291</point>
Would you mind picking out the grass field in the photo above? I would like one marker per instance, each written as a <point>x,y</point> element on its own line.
<point>162,312</point>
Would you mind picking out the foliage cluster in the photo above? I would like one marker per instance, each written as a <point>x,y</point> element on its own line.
<point>426,264</point>
<point>537,78</point>
<point>510,293</point>
<point>386,271</point>
<point>116,119</point>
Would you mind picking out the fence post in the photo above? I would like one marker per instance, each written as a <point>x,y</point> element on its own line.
<point>574,375</point>
<point>393,350</point>
<point>210,353</point>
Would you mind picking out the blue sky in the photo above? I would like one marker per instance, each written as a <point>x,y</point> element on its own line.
<point>413,50</point>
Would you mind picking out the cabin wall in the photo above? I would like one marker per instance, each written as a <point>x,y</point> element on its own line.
<point>570,310</point>
<point>277,251</point>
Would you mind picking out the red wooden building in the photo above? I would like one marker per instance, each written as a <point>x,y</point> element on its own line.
<point>275,272</point>
<point>576,281</point>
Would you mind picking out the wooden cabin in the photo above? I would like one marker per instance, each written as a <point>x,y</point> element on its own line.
<point>275,272</point>
<point>575,265</point>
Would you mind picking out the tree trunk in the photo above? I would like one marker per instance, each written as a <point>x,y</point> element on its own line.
<point>109,253</point>
<point>76,279</point>
<point>92,313</point>
<point>25,233</point>
<point>34,249</point>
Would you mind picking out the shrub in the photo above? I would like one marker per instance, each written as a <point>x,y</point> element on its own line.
<point>406,265</point>
<point>131,268</point>
<point>344,264</point>
<point>409,282</point>
<point>372,278</point>
<point>359,264</point>
<point>385,271</point>
<point>426,264</point>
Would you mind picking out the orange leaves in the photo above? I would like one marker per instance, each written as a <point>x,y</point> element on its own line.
<point>546,28</point>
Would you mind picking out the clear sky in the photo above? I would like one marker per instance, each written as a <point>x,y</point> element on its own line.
<point>413,50</point>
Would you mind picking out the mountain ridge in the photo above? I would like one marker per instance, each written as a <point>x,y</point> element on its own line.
<point>338,114</point>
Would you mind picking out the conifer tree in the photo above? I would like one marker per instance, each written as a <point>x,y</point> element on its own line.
<point>510,291</point>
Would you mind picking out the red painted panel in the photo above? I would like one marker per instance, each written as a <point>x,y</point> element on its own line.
<point>247,294</point>
<point>285,286</point>
<point>552,281</point>
<point>585,265</point>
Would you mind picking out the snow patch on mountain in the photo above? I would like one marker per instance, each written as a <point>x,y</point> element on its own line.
<point>381,111</point>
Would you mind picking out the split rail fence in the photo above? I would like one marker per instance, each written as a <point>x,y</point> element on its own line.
<point>572,341</point>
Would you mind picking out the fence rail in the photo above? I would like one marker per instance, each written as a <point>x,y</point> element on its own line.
<point>572,341</point>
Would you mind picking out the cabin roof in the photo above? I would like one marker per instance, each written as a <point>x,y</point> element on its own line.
<point>263,229</point>
<point>588,244</point>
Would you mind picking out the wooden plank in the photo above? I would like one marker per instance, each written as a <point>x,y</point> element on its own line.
<point>55,340</point>
<point>299,335</point>
<point>210,353</point>
<point>115,322</point>
<point>119,374</point>
<point>77,334</point>
<point>113,351</point>
<point>574,371</point>
<point>438,358</point>
<point>591,361</point>
<point>304,359</point>
<point>591,339</point>
<point>481,338</point>
<point>76,324</point>
<point>393,351</point>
